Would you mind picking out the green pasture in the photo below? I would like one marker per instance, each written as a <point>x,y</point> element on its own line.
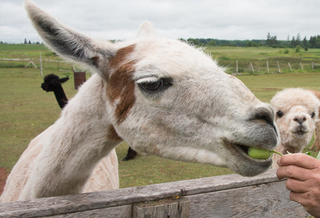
<point>26,110</point>
<point>259,56</point>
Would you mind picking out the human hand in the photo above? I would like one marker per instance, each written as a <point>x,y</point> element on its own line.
<point>303,173</point>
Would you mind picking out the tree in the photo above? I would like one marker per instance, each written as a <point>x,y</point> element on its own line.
<point>293,42</point>
<point>298,39</point>
<point>268,39</point>
<point>212,43</point>
<point>194,42</point>
<point>305,42</point>
<point>271,40</point>
<point>25,41</point>
<point>29,42</point>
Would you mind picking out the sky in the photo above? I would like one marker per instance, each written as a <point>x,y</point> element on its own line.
<point>120,19</point>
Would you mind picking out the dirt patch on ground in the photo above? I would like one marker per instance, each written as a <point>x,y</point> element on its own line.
<point>3,178</point>
<point>272,89</point>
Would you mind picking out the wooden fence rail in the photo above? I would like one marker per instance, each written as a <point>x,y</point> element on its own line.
<point>220,196</point>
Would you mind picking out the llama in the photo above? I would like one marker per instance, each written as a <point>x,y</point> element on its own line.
<point>297,112</point>
<point>131,154</point>
<point>53,83</point>
<point>162,96</point>
<point>316,144</point>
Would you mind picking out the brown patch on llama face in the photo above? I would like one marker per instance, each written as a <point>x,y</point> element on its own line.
<point>113,135</point>
<point>120,83</point>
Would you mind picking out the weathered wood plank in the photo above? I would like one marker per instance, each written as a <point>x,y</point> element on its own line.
<point>110,212</point>
<point>172,207</point>
<point>101,200</point>
<point>265,200</point>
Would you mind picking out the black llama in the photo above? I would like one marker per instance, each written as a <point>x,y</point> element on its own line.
<point>52,83</point>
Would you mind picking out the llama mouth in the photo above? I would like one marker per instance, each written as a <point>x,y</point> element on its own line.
<point>241,149</point>
<point>241,162</point>
<point>300,132</point>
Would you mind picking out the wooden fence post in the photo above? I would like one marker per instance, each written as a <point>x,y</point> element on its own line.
<point>301,66</point>
<point>173,208</point>
<point>267,66</point>
<point>252,67</point>
<point>236,67</point>
<point>312,65</point>
<point>290,66</point>
<point>278,67</point>
<point>41,65</point>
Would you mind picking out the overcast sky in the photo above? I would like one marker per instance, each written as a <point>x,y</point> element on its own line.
<point>120,19</point>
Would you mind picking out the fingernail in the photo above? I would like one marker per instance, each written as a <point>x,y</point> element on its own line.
<point>278,162</point>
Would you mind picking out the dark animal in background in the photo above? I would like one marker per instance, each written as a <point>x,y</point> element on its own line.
<point>52,83</point>
<point>131,154</point>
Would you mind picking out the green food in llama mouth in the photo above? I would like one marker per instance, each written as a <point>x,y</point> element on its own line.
<point>259,153</point>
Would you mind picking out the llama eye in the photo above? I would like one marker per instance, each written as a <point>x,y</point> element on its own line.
<point>312,115</point>
<point>279,114</point>
<point>152,86</point>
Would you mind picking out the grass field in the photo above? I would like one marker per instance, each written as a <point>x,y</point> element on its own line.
<point>26,110</point>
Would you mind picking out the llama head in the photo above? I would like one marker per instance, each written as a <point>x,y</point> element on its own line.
<point>167,98</point>
<point>51,81</point>
<point>297,111</point>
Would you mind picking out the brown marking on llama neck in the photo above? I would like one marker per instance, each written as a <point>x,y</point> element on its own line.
<point>113,135</point>
<point>121,85</point>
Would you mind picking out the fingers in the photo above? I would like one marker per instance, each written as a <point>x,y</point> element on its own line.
<point>297,186</point>
<point>295,172</point>
<point>299,159</point>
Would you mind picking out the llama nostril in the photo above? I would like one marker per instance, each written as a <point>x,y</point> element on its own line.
<point>265,115</point>
<point>300,120</point>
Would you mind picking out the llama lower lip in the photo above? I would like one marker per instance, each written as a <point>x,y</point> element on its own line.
<point>300,132</point>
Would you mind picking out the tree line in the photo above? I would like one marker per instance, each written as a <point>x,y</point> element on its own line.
<point>271,41</point>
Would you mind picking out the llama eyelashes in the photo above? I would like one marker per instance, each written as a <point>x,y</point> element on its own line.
<point>153,85</point>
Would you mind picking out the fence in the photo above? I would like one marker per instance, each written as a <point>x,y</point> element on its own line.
<point>34,62</point>
<point>268,66</point>
<point>220,196</point>
<point>236,67</point>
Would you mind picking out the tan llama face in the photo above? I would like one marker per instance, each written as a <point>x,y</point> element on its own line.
<point>296,111</point>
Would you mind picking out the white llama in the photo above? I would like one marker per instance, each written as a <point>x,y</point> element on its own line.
<point>297,112</point>
<point>162,96</point>
<point>316,144</point>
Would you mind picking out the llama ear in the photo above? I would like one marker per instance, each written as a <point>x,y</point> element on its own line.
<point>147,30</point>
<point>62,80</point>
<point>68,43</point>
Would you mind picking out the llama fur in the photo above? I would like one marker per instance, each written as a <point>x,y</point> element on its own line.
<point>296,113</point>
<point>162,96</point>
<point>316,144</point>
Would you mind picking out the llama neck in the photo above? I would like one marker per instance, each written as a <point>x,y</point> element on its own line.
<point>60,95</point>
<point>79,140</point>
